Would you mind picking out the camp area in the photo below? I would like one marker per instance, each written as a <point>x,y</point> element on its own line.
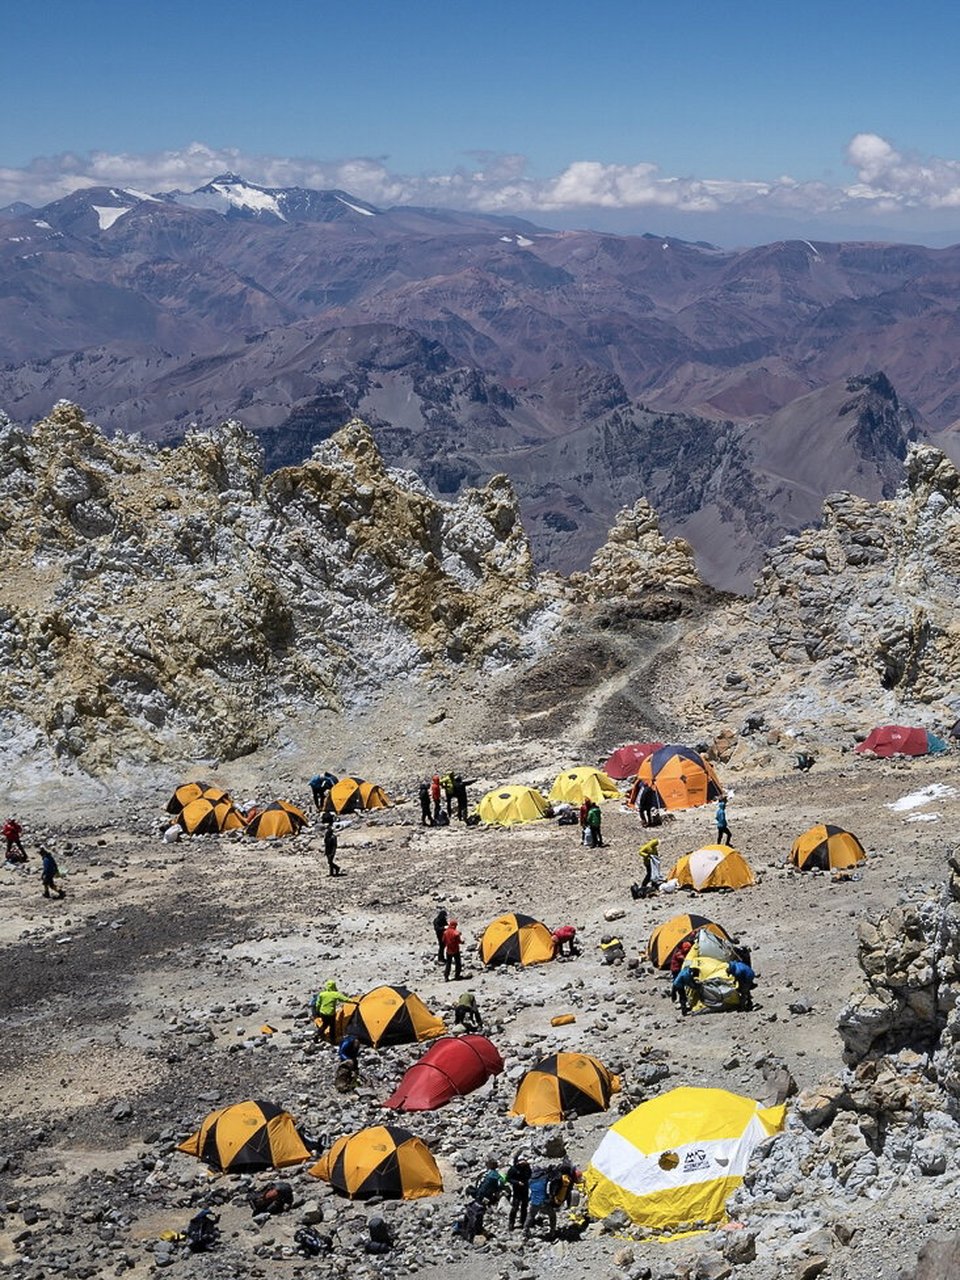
<point>184,990</point>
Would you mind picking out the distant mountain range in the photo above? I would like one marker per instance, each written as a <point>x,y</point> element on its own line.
<point>734,389</point>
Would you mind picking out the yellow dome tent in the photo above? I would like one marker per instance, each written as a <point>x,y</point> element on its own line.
<point>827,848</point>
<point>562,1083</point>
<point>715,866</point>
<point>350,794</point>
<point>278,819</point>
<point>668,936</point>
<point>516,939</point>
<point>391,1015</point>
<point>582,783</point>
<point>245,1137</point>
<point>507,806</point>
<point>380,1161</point>
<point>674,1161</point>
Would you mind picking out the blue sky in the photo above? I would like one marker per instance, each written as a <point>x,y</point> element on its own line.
<point>740,118</point>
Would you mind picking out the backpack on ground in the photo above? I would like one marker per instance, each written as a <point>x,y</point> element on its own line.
<point>275,1197</point>
<point>311,1242</point>
<point>470,1223</point>
<point>202,1231</point>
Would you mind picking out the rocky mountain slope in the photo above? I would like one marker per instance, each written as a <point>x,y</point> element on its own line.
<point>181,602</point>
<point>577,361</point>
<point>170,604</point>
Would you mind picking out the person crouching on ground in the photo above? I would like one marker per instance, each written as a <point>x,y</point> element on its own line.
<point>466,1012</point>
<point>565,936</point>
<point>744,977</point>
<point>686,985</point>
<point>647,853</point>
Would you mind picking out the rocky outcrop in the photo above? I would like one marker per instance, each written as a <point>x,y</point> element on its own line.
<point>910,959</point>
<point>637,558</point>
<point>853,624</point>
<point>871,591</point>
<point>181,602</point>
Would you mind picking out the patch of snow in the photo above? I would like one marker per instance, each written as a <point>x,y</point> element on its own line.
<point>924,817</point>
<point>935,791</point>
<point>16,239</point>
<point>367,213</point>
<point>507,239</point>
<point>664,246</point>
<point>523,242</point>
<point>108,214</point>
<point>244,197</point>
<point>45,225</point>
<point>811,248</point>
<point>140,195</point>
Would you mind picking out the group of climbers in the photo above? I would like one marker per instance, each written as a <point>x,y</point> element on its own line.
<point>687,988</point>
<point>535,1193</point>
<point>437,796</point>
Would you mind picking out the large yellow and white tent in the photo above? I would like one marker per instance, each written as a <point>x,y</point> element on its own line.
<point>715,866</point>
<point>675,1160</point>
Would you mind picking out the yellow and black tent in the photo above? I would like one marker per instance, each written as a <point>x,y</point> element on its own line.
<point>564,1083</point>
<point>827,848</point>
<point>580,783</point>
<point>206,817</point>
<point>188,791</point>
<point>278,819</point>
<point>350,794</point>
<point>674,1161</point>
<point>668,936</point>
<point>715,866</point>
<point>380,1161</point>
<point>245,1137</point>
<point>515,939</point>
<point>392,1015</point>
<point>509,806</point>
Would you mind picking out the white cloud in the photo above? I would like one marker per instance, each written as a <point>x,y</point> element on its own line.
<point>887,182</point>
<point>901,180</point>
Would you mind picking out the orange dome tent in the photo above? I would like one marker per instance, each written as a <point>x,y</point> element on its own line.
<point>826,848</point>
<point>350,794</point>
<point>278,819</point>
<point>681,777</point>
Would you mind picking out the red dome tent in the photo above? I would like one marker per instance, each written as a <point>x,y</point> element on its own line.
<point>625,761</point>
<point>900,740</point>
<point>452,1067</point>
